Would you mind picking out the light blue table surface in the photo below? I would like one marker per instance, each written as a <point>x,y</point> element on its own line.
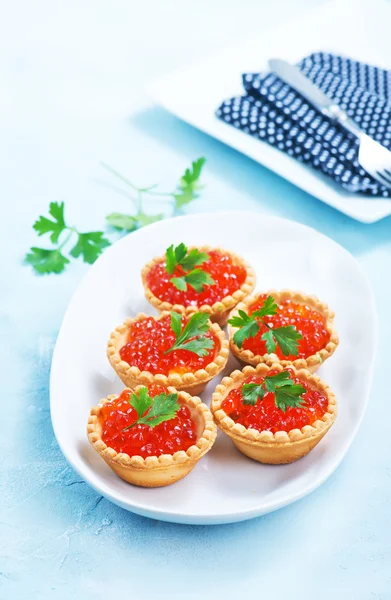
<point>72,79</point>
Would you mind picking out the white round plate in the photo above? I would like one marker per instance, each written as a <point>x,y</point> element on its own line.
<point>225,486</point>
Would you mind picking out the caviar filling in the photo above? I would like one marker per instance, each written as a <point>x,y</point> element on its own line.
<point>310,323</point>
<point>228,278</point>
<point>142,440</point>
<point>265,416</point>
<point>148,341</point>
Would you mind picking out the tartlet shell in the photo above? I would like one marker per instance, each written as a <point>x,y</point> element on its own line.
<point>311,363</point>
<point>218,311</point>
<point>264,446</point>
<point>193,383</point>
<point>156,471</point>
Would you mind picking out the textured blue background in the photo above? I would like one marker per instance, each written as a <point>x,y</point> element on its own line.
<point>72,79</point>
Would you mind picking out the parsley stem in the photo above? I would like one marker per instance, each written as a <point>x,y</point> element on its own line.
<point>170,194</point>
<point>129,426</point>
<point>139,203</point>
<point>150,187</point>
<point>71,231</point>
<point>116,188</point>
<point>263,322</point>
<point>146,190</point>
<point>114,172</point>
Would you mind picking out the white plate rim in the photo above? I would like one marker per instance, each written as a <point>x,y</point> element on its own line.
<point>210,518</point>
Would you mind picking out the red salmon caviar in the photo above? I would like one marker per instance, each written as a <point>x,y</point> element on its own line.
<point>141,440</point>
<point>307,321</point>
<point>228,278</point>
<point>148,339</point>
<point>265,416</point>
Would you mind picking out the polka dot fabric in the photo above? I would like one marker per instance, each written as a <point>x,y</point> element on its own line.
<point>275,113</point>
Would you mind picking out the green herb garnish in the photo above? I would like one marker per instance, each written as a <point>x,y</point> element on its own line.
<point>90,245</point>
<point>286,391</point>
<point>153,411</point>
<point>53,260</point>
<point>192,336</point>
<point>186,263</point>
<point>286,338</point>
<point>185,192</point>
<point>189,184</point>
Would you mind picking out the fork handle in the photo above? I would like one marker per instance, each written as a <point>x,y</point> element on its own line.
<point>295,78</point>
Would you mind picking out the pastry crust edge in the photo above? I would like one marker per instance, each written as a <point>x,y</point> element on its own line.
<point>311,363</point>
<point>155,471</point>
<point>132,376</point>
<point>219,310</point>
<point>265,446</point>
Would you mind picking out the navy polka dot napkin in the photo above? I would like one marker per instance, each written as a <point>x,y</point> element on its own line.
<point>275,113</point>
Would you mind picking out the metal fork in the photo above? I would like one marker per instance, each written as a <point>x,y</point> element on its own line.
<point>372,156</point>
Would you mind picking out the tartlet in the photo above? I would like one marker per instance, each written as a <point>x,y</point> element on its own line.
<point>164,469</point>
<point>187,302</point>
<point>181,378</point>
<point>311,362</point>
<point>265,446</point>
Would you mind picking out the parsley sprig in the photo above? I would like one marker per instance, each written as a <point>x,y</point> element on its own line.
<point>287,337</point>
<point>187,263</point>
<point>185,192</point>
<point>53,260</point>
<point>286,391</point>
<point>91,244</point>
<point>152,411</point>
<point>191,337</point>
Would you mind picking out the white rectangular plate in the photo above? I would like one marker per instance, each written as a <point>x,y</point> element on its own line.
<point>355,28</point>
<point>225,486</point>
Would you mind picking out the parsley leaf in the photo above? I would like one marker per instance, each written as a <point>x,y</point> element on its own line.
<point>288,339</point>
<point>56,227</point>
<point>122,222</point>
<point>269,307</point>
<point>176,323</point>
<point>181,259</point>
<point>174,256</point>
<point>289,396</point>
<point>251,392</point>
<point>191,176</point>
<point>180,283</point>
<point>170,260</point>
<point>184,197</point>
<point>286,392</point>
<point>270,342</point>
<point>279,380</point>
<point>164,408</point>
<point>199,345</point>
<point>248,326</point>
<point>189,184</point>
<point>46,261</point>
<point>198,279</point>
<point>89,246</point>
<point>191,338</point>
<point>141,402</point>
<point>52,260</point>
<point>144,220</point>
<point>153,411</point>
<point>198,323</point>
<point>180,256</point>
<point>193,259</point>
<point>129,223</point>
